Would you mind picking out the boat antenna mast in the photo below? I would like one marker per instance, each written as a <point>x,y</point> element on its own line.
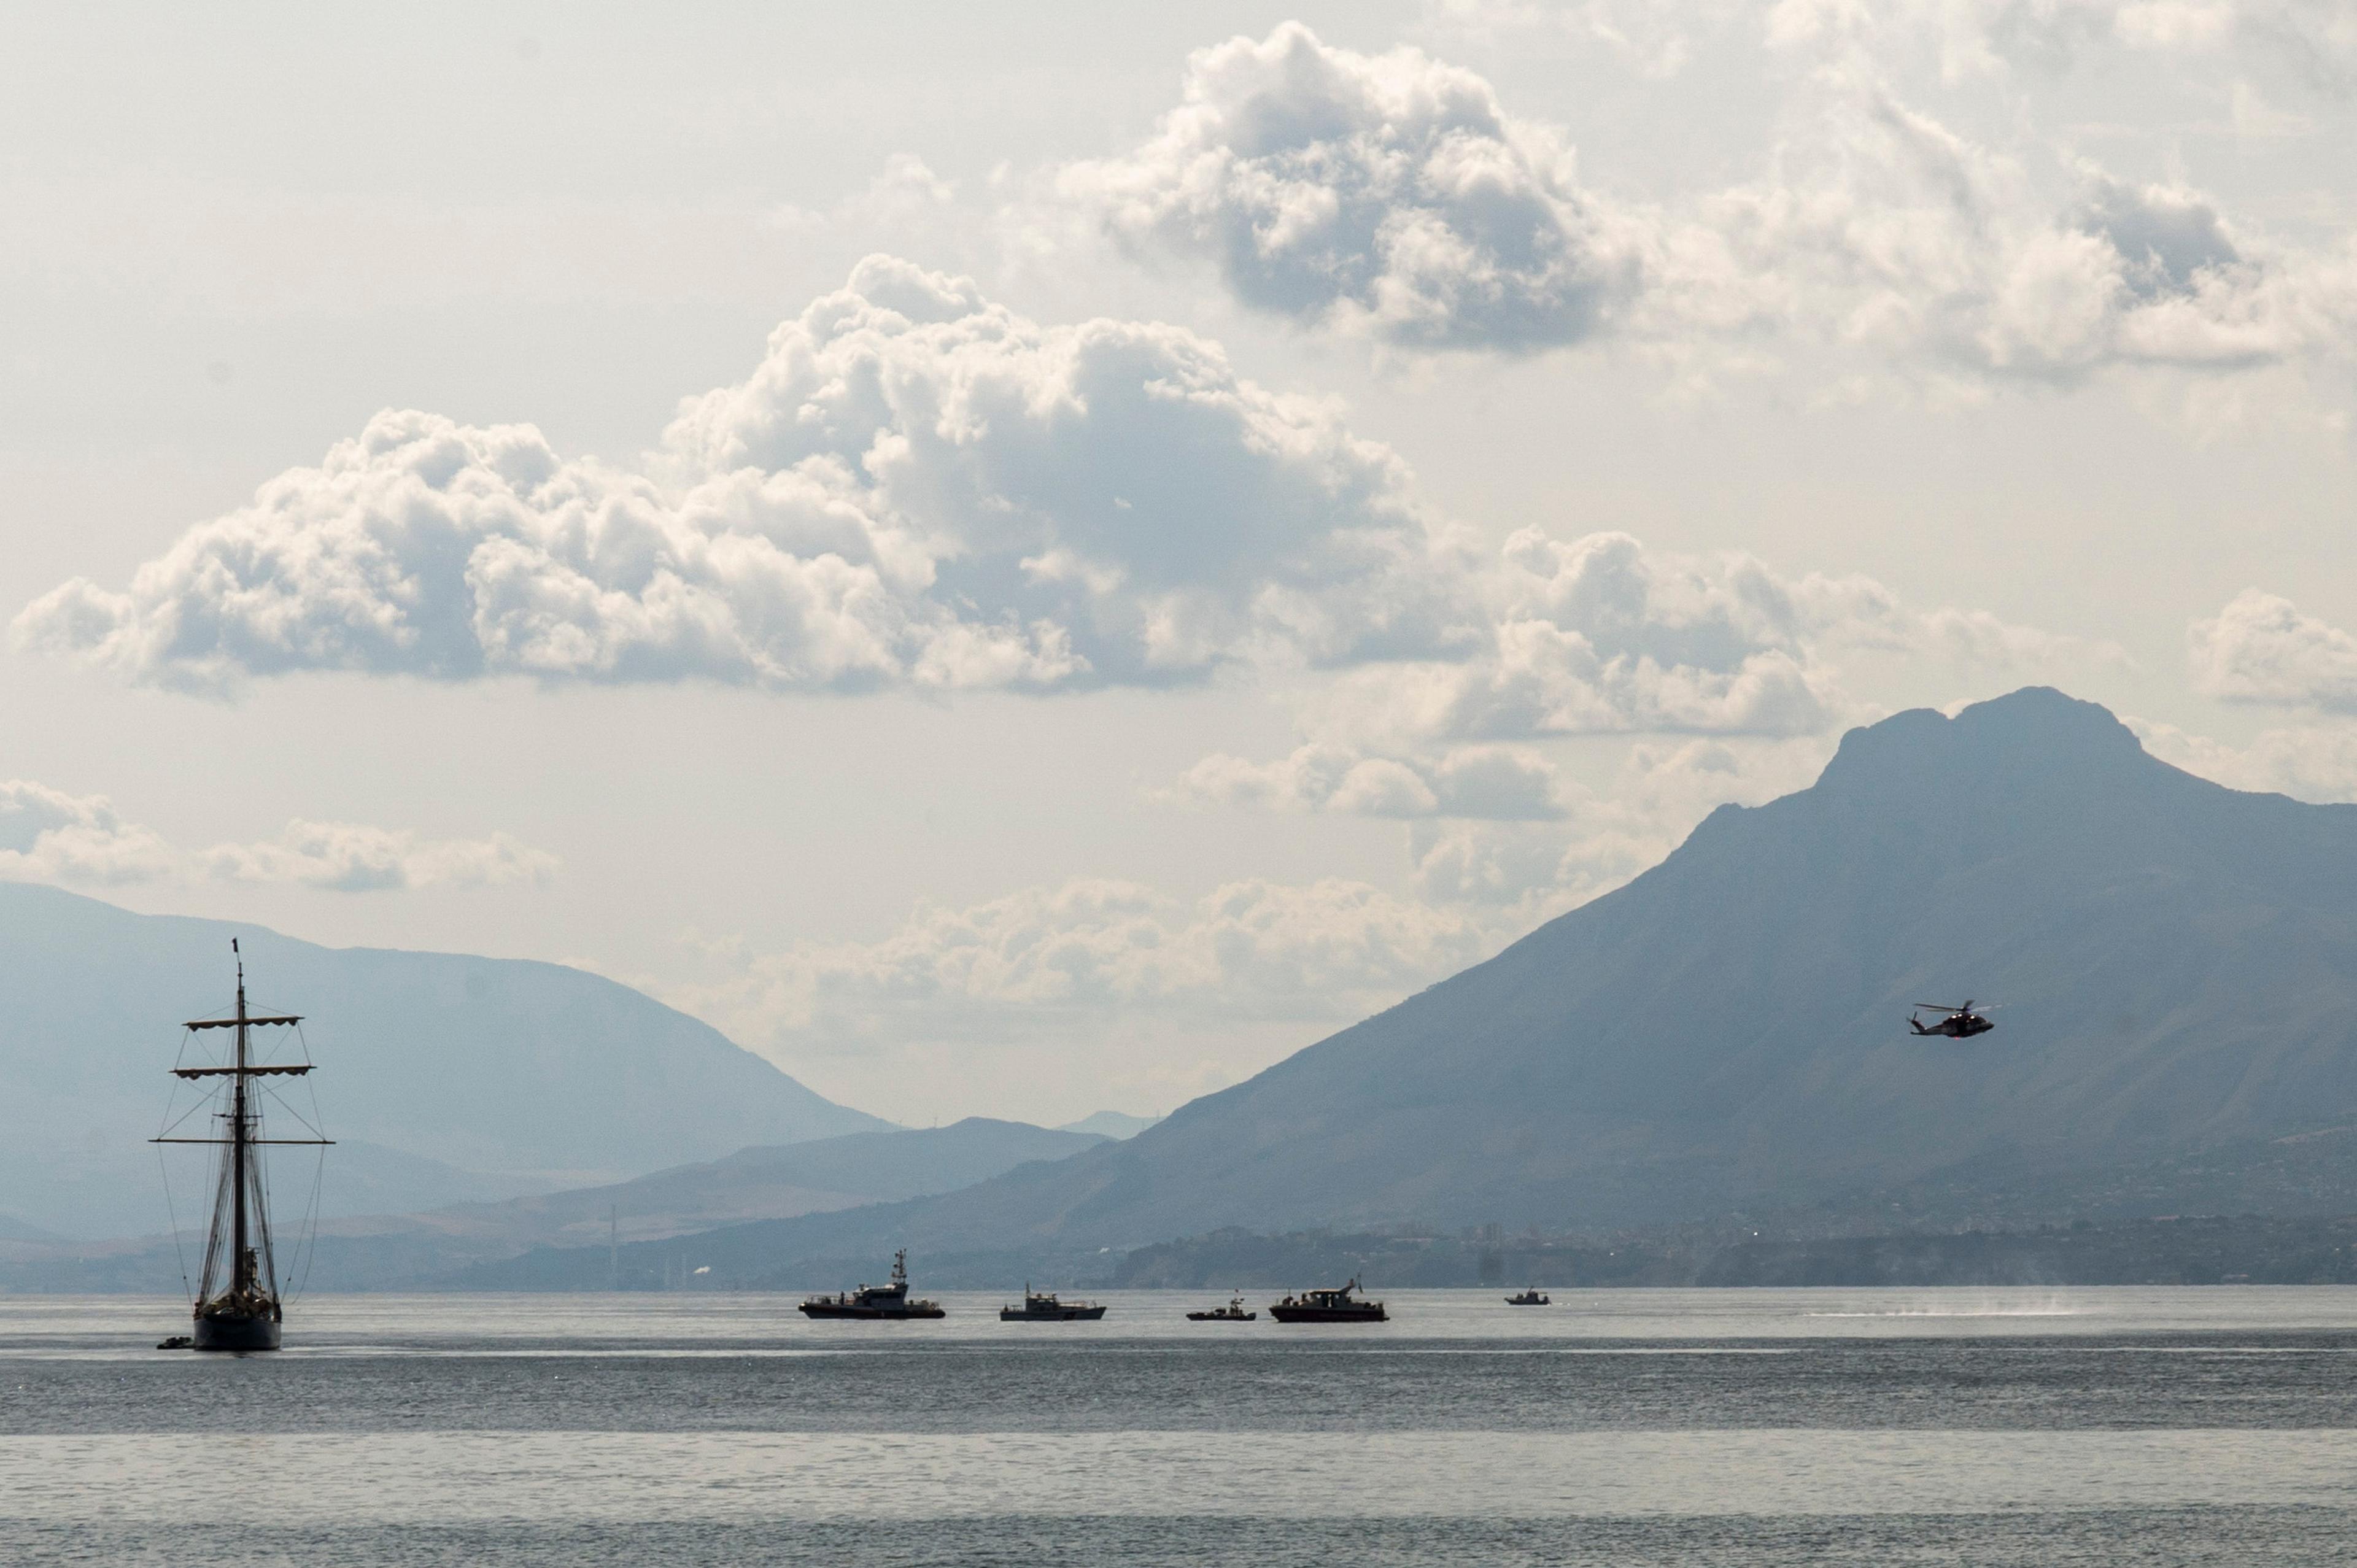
<point>240,1200</point>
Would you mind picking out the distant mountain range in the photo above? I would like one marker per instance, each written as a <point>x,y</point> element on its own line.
<point>2176,964</point>
<point>446,1079</point>
<point>1111,1124</point>
<point>774,1181</point>
<point>409,1251</point>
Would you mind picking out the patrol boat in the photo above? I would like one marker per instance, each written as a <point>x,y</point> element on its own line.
<point>238,1305</point>
<point>1531,1297</point>
<point>1329,1306</point>
<point>1041,1306</point>
<point>1234,1311</point>
<point>875,1301</point>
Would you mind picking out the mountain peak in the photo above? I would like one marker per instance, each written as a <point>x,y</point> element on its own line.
<point>2035,733</point>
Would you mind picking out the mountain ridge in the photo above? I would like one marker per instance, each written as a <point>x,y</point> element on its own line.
<point>1726,1029</point>
<point>476,1076</point>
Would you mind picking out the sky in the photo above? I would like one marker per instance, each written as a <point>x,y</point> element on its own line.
<point>1028,559</point>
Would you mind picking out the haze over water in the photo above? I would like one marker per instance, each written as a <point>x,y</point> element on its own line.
<point>2075,1426</point>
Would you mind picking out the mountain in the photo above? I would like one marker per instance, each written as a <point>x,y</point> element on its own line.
<point>768,1182</point>
<point>416,1251</point>
<point>2176,964</point>
<point>1111,1124</point>
<point>450,1077</point>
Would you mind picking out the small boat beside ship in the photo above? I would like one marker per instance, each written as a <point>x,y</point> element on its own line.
<point>1234,1311</point>
<point>871,1303</point>
<point>1043,1306</point>
<point>1344,1305</point>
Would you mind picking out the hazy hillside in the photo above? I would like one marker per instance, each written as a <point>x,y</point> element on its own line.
<point>424,1251</point>
<point>2177,961</point>
<point>776,1181</point>
<point>452,1077</point>
<point>1111,1124</point>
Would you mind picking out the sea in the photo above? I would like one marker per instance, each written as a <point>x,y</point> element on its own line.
<point>2072,1426</point>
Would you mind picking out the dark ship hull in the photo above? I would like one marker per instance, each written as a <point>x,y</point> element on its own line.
<point>1371,1311</point>
<point>236,1333</point>
<point>871,1314</point>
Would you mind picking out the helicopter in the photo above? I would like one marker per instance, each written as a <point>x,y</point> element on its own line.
<point>1955,1023</point>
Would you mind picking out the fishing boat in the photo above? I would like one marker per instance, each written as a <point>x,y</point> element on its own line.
<point>1342,1305</point>
<point>1042,1307</point>
<point>1234,1311</point>
<point>870,1302</point>
<point>238,1303</point>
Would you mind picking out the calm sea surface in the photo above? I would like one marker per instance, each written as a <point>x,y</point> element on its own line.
<point>1707,1427</point>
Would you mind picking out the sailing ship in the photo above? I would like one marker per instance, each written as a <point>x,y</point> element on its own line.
<point>238,1305</point>
<point>875,1301</point>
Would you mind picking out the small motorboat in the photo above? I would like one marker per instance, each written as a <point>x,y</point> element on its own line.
<point>177,1342</point>
<point>1044,1307</point>
<point>1533,1297</point>
<point>1233,1313</point>
<point>1342,1305</point>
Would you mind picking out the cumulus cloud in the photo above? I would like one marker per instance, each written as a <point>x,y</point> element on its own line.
<point>2261,648</point>
<point>1504,783</point>
<point>1518,873</point>
<point>1599,636</point>
<point>1879,230</point>
<point>914,488</point>
<point>48,835</point>
<point>1252,950</point>
<point>2317,762</point>
<point>1393,194</point>
<point>1389,194</point>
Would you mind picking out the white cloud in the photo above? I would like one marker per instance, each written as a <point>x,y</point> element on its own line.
<point>1985,37</point>
<point>1523,873</point>
<point>1389,194</point>
<point>915,486</point>
<point>1654,38</point>
<point>1880,231</point>
<point>48,835</point>
<point>1599,636</point>
<point>2315,762</point>
<point>1138,985</point>
<point>1503,783</point>
<point>2261,648</point>
<point>1962,39</point>
<point>1393,195</point>
<point>1088,949</point>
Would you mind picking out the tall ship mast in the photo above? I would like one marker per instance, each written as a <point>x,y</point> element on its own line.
<point>238,1305</point>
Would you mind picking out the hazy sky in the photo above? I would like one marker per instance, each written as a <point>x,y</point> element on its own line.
<point>1026,559</point>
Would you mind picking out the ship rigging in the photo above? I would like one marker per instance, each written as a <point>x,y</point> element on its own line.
<point>239,1306</point>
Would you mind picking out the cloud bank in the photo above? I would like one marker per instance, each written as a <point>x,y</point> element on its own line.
<point>1393,195</point>
<point>1088,949</point>
<point>48,835</point>
<point>914,488</point>
<point>2261,648</point>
